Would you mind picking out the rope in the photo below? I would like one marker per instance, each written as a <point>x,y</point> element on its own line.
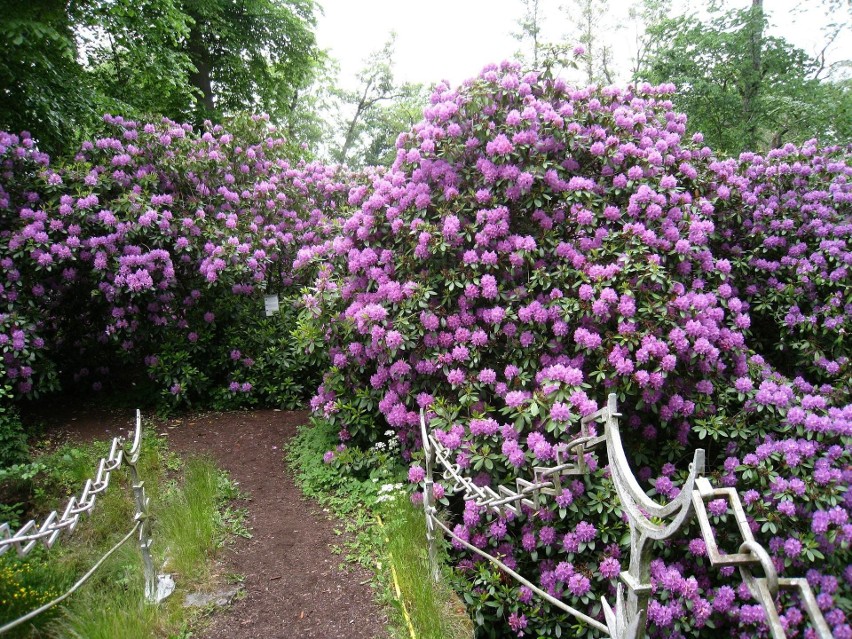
<point>17,622</point>
<point>541,593</point>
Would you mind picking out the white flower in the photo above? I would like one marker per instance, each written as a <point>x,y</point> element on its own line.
<point>390,488</point>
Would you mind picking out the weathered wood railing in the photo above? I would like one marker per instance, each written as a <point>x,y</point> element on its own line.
<point>49,531</point>
<point>628,619</point>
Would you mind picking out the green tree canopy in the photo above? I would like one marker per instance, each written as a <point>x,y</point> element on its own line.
<point>132,52</point>
<point>742,88</point>
<point>251,54</point>
<point>65,64</point>
<point>42,86</point>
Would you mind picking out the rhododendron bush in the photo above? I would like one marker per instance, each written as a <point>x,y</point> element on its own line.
<point>535,247</point>
<point>151,251</point>
<point>786,227</point>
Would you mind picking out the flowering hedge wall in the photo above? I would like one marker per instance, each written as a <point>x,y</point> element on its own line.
<point>151,252</point>
<point>785,226</point>
<point>535,247</point>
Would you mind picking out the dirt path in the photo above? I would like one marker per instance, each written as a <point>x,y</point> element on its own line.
<point>293,588</point>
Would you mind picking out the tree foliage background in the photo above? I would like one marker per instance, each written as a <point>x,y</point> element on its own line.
<point>67,63</point>
<point>742,86</point>
<point>744,89</point>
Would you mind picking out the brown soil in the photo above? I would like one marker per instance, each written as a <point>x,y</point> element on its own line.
<point>293,586</point>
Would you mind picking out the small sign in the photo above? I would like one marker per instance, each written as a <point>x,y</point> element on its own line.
<point>270,302</point>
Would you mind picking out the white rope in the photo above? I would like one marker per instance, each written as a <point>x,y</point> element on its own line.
<point>17,622</point>
<point>541,593</point>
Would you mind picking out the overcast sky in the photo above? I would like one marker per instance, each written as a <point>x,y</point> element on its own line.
<point>453,39</point>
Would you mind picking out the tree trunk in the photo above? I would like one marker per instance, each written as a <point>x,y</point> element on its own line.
<point>350,133</point>
<point>754,73</point>
<point>535,31</point>
<point>363,103</point>
<point>200,57</point>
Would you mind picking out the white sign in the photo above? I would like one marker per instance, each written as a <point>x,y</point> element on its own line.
<point>270,302</point>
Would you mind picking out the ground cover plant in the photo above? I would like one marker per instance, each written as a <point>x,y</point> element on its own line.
<point>537,246</point>
<point>191,522</point>
<point>366,488</point>
<point>433,609</point>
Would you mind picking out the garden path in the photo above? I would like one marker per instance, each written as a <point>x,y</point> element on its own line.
<point>294,588</point>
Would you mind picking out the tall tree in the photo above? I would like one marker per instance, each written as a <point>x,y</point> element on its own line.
<point>537,52</point>
<point>133,52</point>
<point>592,24</point>
<point>42,86</point>
<point>530,27</point>
<point>742,88</point>
<point>66,63</point>
<point>754,24</point>
<point>308,121</point>
<point>383,124</point>
<point>642,14</point>
<point>249,54</point>
<point>377,111</point>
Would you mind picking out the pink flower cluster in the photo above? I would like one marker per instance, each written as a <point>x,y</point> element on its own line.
<point>533,248</point>
<point>152,236</point>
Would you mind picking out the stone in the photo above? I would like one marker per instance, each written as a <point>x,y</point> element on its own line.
<point>218,598</point>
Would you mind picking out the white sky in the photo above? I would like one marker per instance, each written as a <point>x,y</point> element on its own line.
<point>453,39</point>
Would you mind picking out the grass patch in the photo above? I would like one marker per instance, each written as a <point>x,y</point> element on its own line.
<point>350,487</point>
<point>191,519</point>
<point>434,610</point>
<point>188,521</point>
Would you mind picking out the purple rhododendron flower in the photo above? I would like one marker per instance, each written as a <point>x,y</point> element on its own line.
<point>416,474</point>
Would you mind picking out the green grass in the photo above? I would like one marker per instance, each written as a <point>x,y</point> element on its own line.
<point>190,521</point>
<point>113,606</point>
<point>433,608</point>
<point>354,497</point>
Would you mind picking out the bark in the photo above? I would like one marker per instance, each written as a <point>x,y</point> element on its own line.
<point>590,42</point>
<point>535,29</point>
<point>353,123</point>
<point>605,70</point>
<point>778,138</point>
<point>291,125</point>
<point>201,79</point>
<point>754,73</point>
